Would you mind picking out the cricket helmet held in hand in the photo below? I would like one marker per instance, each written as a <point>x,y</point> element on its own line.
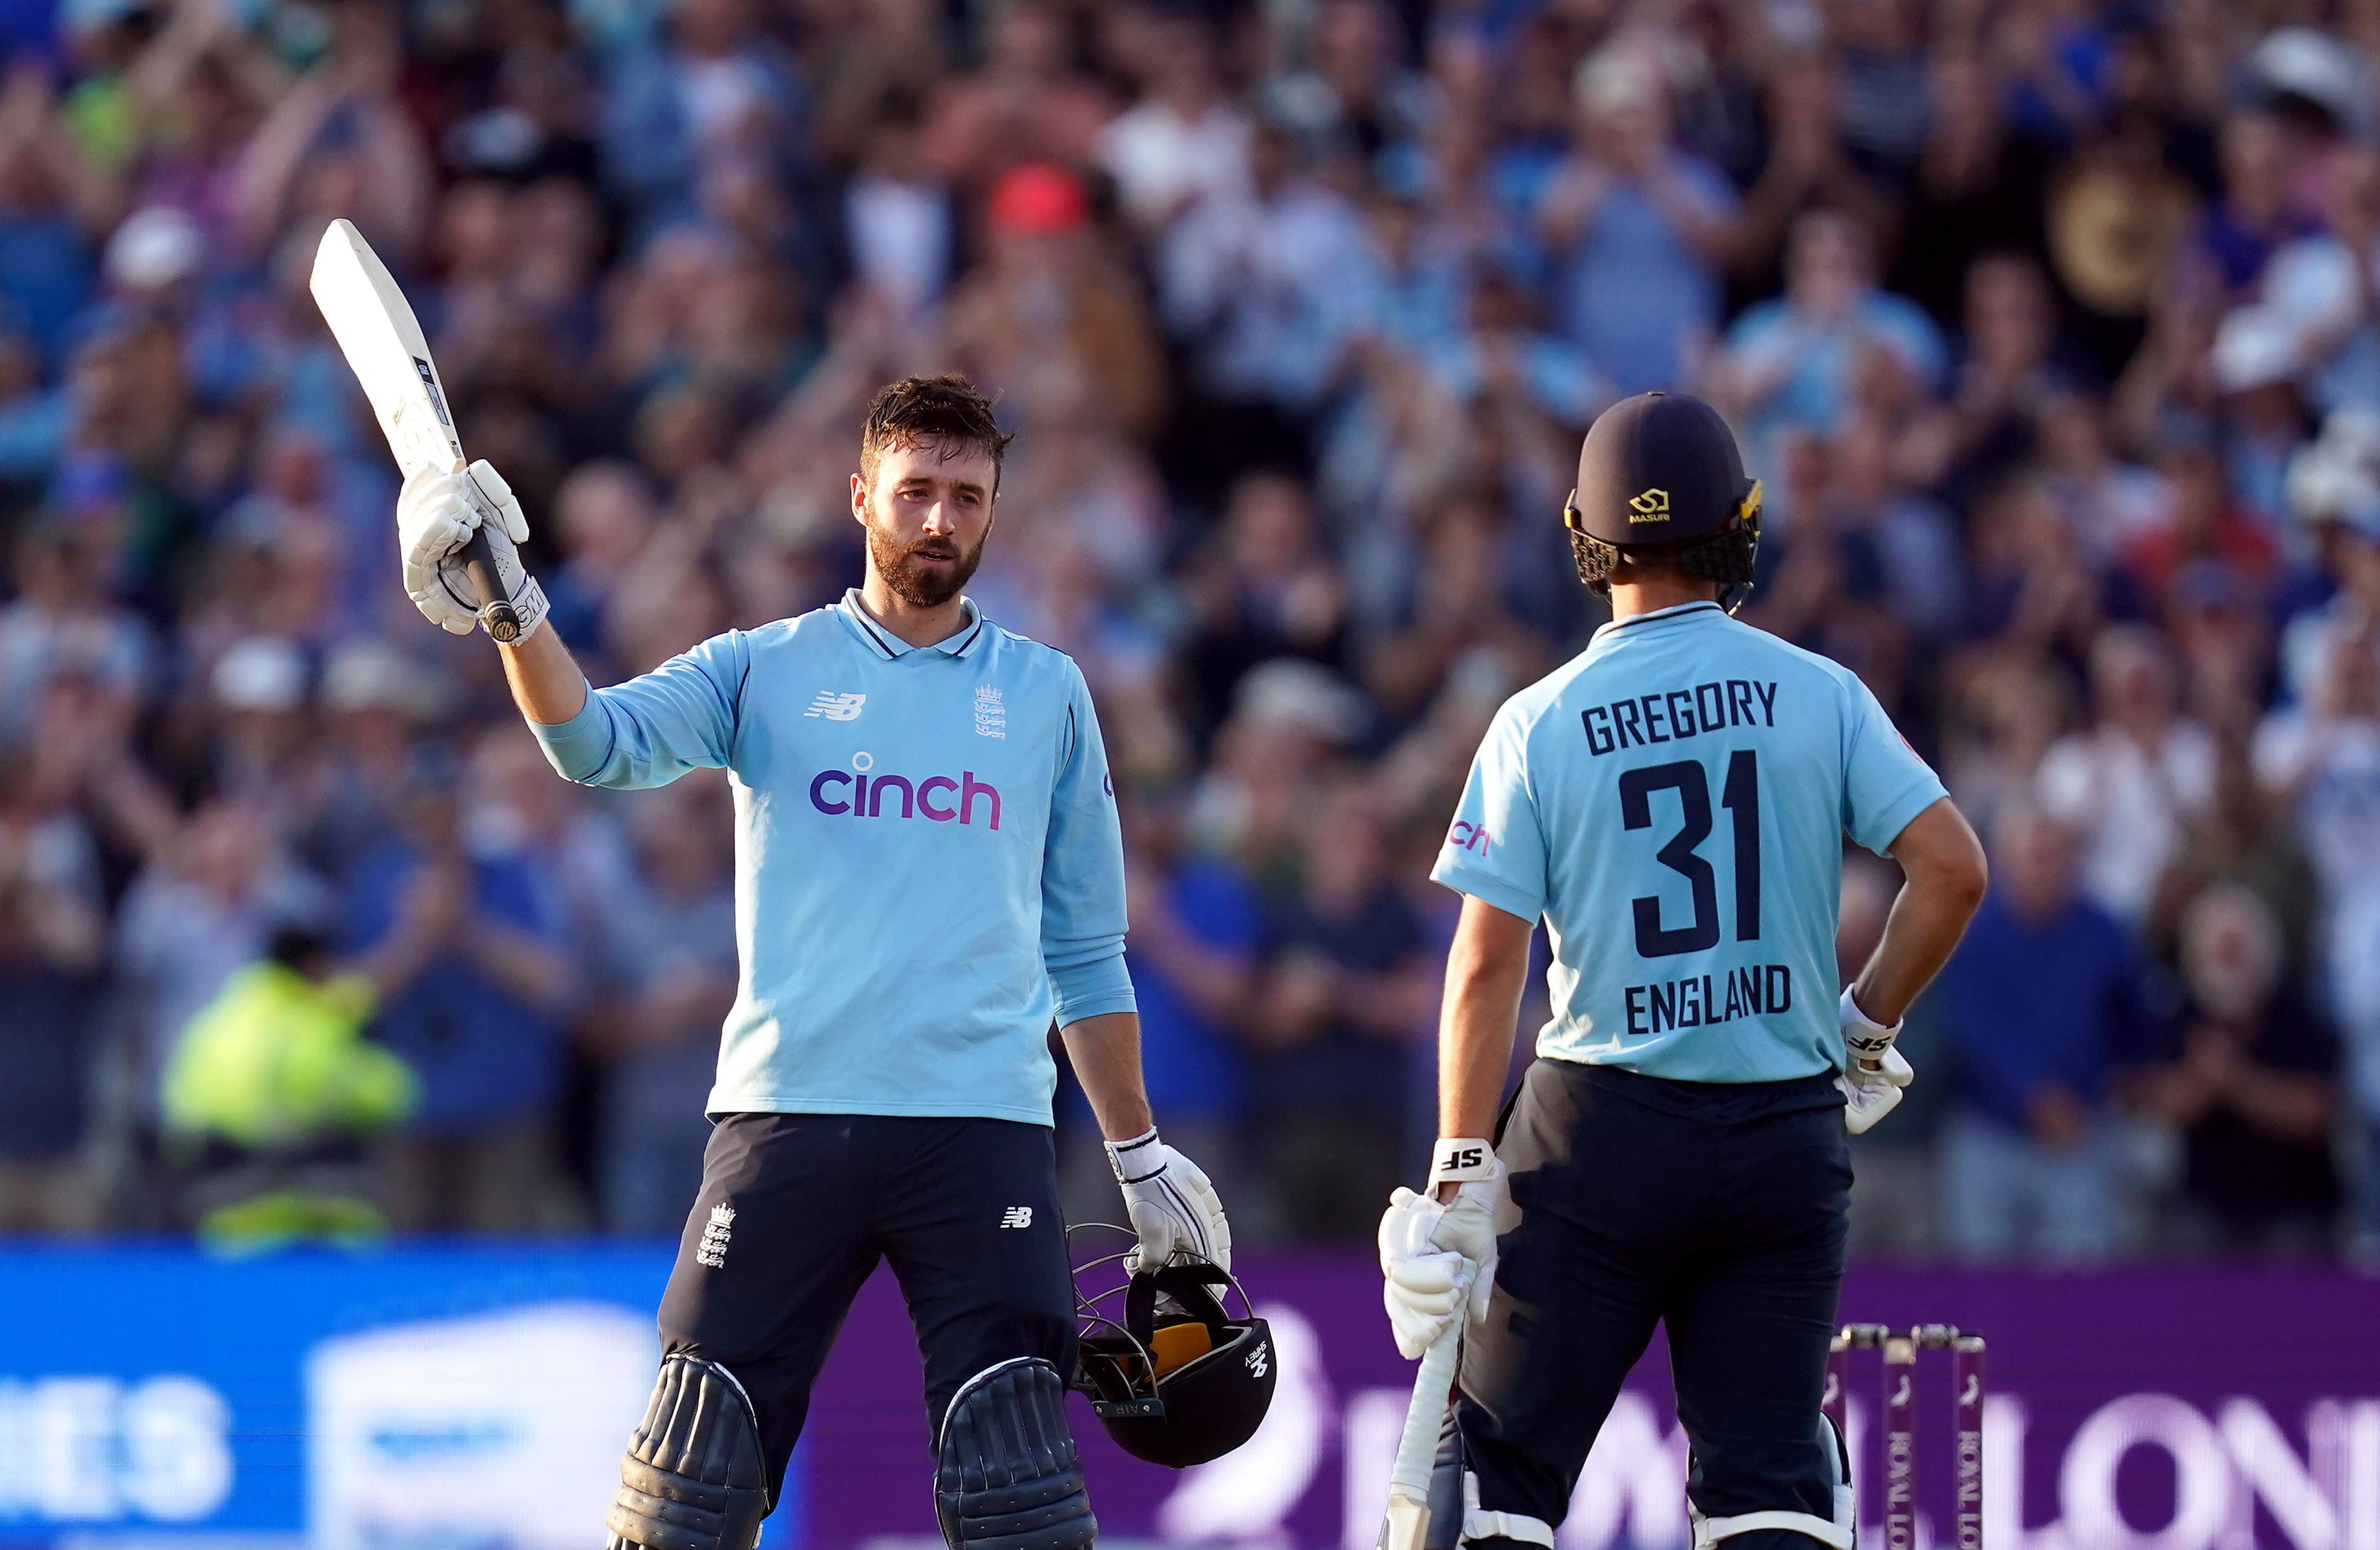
<point>1659,477</point>
<point>1181,1383</point>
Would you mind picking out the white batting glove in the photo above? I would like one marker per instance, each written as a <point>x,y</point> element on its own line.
<point>1432,1254</point>
<point>1873,1071</point>
<point>1173,1208</point>
<point>436,515</point>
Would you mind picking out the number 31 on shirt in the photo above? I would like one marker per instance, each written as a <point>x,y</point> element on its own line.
<point>1681,852</point>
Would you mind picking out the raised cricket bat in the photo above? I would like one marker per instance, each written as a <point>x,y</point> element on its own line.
<point>385,346</point>
<point>1407,1522</point>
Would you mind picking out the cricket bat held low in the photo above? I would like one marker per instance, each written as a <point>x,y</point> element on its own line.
<point>1407,1522</point>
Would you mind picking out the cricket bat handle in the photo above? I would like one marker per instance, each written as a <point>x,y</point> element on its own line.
<point>1408,1514</point>
<point>479,564</point>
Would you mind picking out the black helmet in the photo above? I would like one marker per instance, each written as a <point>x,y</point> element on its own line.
<point>1181,1387</point>
<point>1662,469</point>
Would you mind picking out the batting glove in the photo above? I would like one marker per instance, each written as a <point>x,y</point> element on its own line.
<point>1173,1208</point>
<point>1873,1071</point>
<point>436,515</point>
<point>1436,1257</point>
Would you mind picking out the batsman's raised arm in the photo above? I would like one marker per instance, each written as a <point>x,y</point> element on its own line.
<point>646,732</point>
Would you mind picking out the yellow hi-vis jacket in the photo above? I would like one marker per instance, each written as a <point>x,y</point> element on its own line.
<point>278,1060</point>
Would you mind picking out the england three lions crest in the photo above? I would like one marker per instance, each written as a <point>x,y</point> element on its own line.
<point>990,715</point>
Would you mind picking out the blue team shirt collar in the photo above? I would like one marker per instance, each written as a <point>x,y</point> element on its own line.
<point>890,646</point>
<point>1680,611</point>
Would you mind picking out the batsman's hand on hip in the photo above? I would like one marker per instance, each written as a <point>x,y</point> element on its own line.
<point>436,515</point>
<point>1173,1208</point>
<point>1436,1256</point>
<point>1873,1071</point>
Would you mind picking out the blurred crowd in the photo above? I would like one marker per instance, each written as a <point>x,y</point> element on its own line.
<point>2050,325</point>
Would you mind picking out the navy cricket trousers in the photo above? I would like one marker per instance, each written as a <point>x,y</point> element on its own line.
<point>1719,1211</point>
<point>796,1211</point>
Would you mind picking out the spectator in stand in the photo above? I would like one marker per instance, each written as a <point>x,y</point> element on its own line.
<point>477,1021</point>
<point>1196,924</point>
<point>1051,298</point>
<point>2129,787</point>
<point>1027,102</point>
<point>1186,140</point>
<point>273,1095</point>
<point>1988,427</point>
<point>1256,287</point>
<point>1793,363</point>
<point>62,619</point>
<point>2041,1006</point>
<point>1636,230</point>
<point>2240,232</point>
<point>666,972</point>
<point>53,939</point>
<point>1267,587</point>
<point>203,907</point>
<point>604,512</point>
<point>1356,95</point>
<point>2321,762</point>
<point>2250,1083</point>
<point>1346,987</point>
<point>719,91</point>
<point>1979,189</point>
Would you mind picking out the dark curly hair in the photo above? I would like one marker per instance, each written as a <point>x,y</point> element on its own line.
<point>946,408</point>
<point>1725,556</point>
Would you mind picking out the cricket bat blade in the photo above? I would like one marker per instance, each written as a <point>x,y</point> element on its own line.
<point>385,346</point>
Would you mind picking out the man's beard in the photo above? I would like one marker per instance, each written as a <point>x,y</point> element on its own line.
<point>921,588</point>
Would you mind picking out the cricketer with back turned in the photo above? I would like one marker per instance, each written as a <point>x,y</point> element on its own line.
<point>1672,803</point>
<point>929,873</point>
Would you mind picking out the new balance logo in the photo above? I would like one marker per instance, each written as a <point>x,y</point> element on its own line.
<point>712,1250</point>
<point>1017,1216</point>
<point>836,707</point>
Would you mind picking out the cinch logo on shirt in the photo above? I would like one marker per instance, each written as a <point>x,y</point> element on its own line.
<point>1468,835</point>
<point>836,707</point>
<point>862,796</point>
<point>1676,714</point>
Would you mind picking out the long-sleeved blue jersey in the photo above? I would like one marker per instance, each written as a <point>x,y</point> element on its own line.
<point>928,863</point>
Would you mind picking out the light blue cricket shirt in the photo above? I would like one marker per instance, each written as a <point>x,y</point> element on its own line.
<point>1672,802</point>
<point>928,863</point>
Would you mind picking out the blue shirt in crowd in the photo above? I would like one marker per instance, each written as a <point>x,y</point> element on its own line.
<point>929,867</point>
<point>484,1056</point>
<point>1632,294</point>
<point>1192,1066</point>
<point>2027,1003</point>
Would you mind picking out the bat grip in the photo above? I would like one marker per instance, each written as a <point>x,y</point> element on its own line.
<point>479,564</point>
<point>1433,1387</point>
